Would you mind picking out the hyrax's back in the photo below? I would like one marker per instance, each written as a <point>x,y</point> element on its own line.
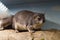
<point>23,16</point>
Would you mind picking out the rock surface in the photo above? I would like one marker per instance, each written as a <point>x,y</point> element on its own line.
<point>38,35</point>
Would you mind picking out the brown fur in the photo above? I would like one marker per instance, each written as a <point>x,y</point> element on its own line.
<point>28,20</point>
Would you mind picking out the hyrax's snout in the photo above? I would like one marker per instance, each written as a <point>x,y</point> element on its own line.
<point>41,18</point>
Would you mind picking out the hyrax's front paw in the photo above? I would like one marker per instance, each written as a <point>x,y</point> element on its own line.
<point>16,31</point>
<point>31,31</point>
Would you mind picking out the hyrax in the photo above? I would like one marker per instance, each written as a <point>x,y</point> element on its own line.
<point>28,20</point>
<point>4,22</point>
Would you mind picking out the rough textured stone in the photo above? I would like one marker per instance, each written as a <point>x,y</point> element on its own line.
<point>38,35</point>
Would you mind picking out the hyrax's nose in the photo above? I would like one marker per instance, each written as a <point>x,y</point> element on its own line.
<point>43,17</point>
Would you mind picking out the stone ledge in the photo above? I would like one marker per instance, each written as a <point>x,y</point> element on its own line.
<point>38,35</point>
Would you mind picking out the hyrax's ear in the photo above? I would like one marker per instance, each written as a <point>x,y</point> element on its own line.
<point>43,14</point>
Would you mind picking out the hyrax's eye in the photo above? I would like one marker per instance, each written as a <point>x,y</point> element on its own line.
<point>38,18</point>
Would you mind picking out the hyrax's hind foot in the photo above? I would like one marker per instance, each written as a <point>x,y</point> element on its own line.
<point>1,28</point>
